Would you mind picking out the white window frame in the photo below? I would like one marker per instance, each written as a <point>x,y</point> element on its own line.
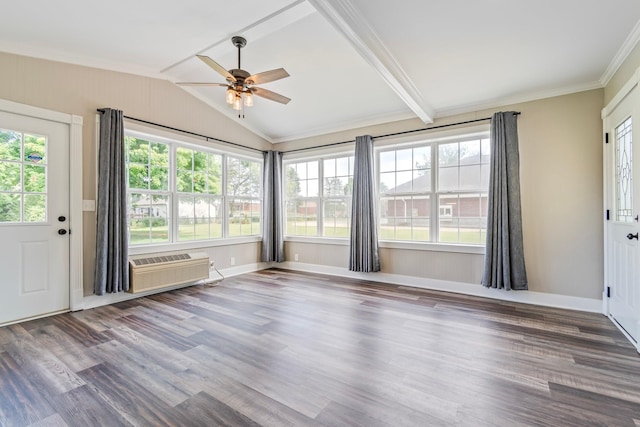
<point>174,141</point>
<point>434,139</point>
<point>318,155</point>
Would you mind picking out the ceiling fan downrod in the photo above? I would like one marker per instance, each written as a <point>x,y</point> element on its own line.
<point>239,42</point>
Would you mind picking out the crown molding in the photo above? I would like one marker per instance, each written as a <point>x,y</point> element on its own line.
<point>348,21</point>
<point>621,55</point>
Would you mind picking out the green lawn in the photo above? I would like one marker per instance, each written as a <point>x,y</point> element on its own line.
<point>189,232</point>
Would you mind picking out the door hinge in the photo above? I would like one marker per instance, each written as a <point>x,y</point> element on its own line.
<point>606,137</point>
<point>608,214</point>
<point>608,291</point>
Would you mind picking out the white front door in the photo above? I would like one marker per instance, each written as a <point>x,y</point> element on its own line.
<point>34,217</point>
<point>622,193</point>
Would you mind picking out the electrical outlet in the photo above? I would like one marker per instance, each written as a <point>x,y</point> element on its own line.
<point>296,257</point>
<point>233,260</point>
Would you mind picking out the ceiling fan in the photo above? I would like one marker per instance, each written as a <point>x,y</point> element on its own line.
<point>240,83</point>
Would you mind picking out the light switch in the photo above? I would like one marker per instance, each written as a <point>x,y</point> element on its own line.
<point>88,205</point>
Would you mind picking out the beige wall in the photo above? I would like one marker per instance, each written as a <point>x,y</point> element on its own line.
<point>80,90</point>
<point>561,182</point>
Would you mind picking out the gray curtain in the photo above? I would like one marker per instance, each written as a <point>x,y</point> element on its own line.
<point>112,268</point>
<point>363,251</point>
<point>504,256</point>
<point>272,209</point>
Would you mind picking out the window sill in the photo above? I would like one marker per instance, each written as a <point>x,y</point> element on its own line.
<point>433,247</point>
<point>181,246</point>
<point>388,244</point>
<point>318,240</point>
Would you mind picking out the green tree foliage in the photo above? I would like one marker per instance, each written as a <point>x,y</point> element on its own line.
<point>198,172</point>
<point>148,164</point>
<point>22,156</point>
<point>338,186</point>
<point>243,178</point>
<point>292,183</point>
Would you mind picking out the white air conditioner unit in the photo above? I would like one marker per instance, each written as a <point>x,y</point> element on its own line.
<point>149,272</point>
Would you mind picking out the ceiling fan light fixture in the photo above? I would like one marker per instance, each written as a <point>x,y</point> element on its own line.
<point>237,102</point>
<point>231,96</point>
<point>248,99</point>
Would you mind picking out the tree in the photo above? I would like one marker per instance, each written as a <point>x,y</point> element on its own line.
<point>148,164</point>
<point>292,183</point>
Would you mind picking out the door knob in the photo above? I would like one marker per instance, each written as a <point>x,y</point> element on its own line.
<point>632,236</point>
<point>62,218</point>
<point>62,232</point>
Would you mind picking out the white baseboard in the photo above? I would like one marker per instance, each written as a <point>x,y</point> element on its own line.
<point>526,297</point>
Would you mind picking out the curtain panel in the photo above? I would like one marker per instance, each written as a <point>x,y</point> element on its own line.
<point>112,265</point>
<point>272,209</point>
<point>363,250</point>
<point>504,256</point>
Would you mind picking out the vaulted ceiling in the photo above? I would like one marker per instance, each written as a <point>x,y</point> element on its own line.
<point>352,62</point>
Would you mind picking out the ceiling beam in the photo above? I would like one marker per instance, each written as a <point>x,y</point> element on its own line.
<point>346,19</point>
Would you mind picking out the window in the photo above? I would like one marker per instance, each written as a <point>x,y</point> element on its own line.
<point>244,184</point>
<point>318,196</point>
<point>435,191</point>
<point>199,187</point>
<point>405,193</point>
<point>149,198</point>
<point>23,177</point>
<point>178,192</point>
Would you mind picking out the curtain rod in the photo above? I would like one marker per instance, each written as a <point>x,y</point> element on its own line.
<point>517,113</point>
<point>207,138</point>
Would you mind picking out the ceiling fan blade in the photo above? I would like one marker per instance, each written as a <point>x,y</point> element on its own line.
<point>213,64</point>
<point>267,76</point>
<point>272,96</point>
<point>200,84</point>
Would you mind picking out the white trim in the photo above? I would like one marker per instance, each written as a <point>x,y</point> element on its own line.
<point>75,186</point>
<point>622,93</point>
<point>525,297</point>
<point>195,244</point>
<point>621,55</point>
<point>432,246</point>
<point>393,244</point>
<point>435,135</point>
<point>348,21</point>
<point>76,214</point>
<point>36,112</point>
<point>625,333</point>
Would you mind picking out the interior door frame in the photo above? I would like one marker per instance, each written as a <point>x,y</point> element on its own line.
<point>608,197</point>
<point>75,188</point>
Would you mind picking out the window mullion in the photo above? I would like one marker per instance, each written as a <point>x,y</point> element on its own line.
<point>225,198</point>
<point>321,199</point>
<point>434,224</point>
<point>173,193</point>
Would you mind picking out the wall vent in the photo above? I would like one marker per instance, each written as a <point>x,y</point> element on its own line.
<point>151,272</point>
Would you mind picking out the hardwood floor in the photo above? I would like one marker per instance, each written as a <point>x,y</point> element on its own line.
<point>279,348</point>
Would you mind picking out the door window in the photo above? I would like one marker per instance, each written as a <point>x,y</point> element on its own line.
<point>23,177</point>
<point>624,182</point>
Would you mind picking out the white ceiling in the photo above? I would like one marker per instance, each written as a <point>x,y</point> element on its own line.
<point>352,62</point>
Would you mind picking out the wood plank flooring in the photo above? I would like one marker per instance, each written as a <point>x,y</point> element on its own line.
<point>281,348</point>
